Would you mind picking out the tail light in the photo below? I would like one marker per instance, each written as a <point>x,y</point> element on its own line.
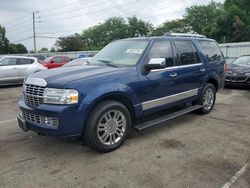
<point>225,67</point>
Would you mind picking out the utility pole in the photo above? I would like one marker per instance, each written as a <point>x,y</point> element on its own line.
<point>34,32</point>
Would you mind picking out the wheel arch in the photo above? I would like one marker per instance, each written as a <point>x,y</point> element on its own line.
<point>121,97</point>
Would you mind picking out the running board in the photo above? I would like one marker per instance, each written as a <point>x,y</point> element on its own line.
<point>166,117</point>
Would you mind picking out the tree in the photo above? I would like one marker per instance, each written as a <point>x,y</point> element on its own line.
<point>201,19</point>
<point>69,43</point>
<point>174,26</point>
<point>138,28</point>
<point>4,42</point>
<point>234,23</point>
<point>52,49</point>
<point>100,35</point>
<point>17,49</point>
<point>44,49</point>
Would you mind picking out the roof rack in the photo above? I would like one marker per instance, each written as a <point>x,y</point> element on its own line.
<point>184,35</point>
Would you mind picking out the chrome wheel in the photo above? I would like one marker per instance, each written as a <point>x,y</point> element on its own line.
<point>208,99</point>
<point>111,127</point>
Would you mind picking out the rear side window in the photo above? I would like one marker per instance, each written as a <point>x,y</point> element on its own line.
<point>58,60</point>
<point>23,61</point>
<point>162,49</point>
<point>187,53</point>
<point>8,62</point>
<point>211,51</point>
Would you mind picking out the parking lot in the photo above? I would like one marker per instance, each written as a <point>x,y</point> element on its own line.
<point>190,151</point>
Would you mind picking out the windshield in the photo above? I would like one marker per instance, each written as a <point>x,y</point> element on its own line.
<point>244,60</point>
<point>120,53</point>
<point>48,59</point>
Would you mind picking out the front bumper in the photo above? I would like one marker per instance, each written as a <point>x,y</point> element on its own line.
<point>237,80</point>
<point>69,119</point>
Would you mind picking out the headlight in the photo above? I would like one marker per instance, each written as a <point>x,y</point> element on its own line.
<point>60,96</point>
<point>248,74</point>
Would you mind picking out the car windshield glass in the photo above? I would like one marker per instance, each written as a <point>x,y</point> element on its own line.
<point>120,53</point>
<point>244,60</point>
<point>48,59</point>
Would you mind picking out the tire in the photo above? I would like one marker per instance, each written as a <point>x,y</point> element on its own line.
<point>207,99</point>
<point>108,126</point>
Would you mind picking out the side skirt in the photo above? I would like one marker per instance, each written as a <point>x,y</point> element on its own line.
<point>167,117</point>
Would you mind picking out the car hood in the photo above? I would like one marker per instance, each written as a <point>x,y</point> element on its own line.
<point>59,77</point>
<point>239,69</point>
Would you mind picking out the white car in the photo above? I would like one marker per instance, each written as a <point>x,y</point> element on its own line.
<point>13,69</point>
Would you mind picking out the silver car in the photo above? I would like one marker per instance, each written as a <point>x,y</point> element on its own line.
<point>13,69</point>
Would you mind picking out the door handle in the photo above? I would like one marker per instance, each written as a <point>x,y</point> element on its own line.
<point>202,69</point>
<point>173,75</point>
<point>14,68</point>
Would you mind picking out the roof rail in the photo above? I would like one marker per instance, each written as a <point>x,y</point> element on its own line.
<point>184,35</point>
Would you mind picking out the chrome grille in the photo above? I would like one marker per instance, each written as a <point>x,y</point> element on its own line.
<point>33,94</point>
<point>33,118</point>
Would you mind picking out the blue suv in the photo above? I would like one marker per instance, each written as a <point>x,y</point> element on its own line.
<point>126,82</point>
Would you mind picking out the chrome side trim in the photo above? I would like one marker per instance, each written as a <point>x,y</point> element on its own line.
<point>175,67</point>
<point>169,99</point>
<point>36,81</point>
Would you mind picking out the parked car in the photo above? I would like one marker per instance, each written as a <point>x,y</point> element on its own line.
<point>78,62</point>
<point>55,61</point>
<point>39,57</point>
<point>238,72</point>
<point>87,54</point>
<point>13,69</point>
<point>126,81</point>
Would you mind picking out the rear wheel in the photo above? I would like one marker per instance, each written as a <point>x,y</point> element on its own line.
<point>108,126</point>
<point>207,99</point>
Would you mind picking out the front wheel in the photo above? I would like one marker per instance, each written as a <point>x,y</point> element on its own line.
<point>207,99</point>
<point>108,126</point>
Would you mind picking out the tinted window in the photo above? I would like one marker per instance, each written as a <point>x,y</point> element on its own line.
<point>22,61</point>
<point>8,62</point>
<point>58,60</point>
<point>185,52</point>
<point>211,51</point>
<point>162,49</point>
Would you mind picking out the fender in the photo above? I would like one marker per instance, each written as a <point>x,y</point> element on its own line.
<point>97,94</point>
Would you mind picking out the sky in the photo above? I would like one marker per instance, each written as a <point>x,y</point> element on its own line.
<point>56,18</point>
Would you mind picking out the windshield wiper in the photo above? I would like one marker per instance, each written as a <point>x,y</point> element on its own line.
<point>107,62</point>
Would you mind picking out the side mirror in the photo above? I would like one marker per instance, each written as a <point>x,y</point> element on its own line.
<point>156,63</point>
<point>52,61</point>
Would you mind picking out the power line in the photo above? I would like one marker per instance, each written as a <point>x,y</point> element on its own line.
<point>85,7</point>
<point>162,7</point>
<point>15,20</point>
<point>92,12</point>
<point>58,7</point>
<point>17,30</point>
<point>22,39</point>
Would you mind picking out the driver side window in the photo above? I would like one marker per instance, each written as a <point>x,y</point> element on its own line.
<point>162,49</point>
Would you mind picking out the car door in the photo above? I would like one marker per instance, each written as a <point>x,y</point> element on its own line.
<point>66,59</point>
<point>192,71</point>
<point>159,86</point>
<point>8,71</point>
<point>57,62</point>
<point>23,66</point>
